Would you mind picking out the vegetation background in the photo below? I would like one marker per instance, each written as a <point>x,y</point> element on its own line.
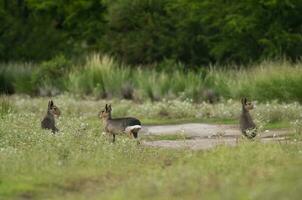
<point>192,32</point>
<point>161,61</point>
<point>49,47</point>
<point>154,51</point>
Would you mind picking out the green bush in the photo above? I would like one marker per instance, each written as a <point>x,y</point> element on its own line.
<point>271,80</point>
<point>100,77</point>
<point>49,77</point>
<point>23,82</point>
<point>6,81</point>
<point>5,106</point>
<point>16,78</point>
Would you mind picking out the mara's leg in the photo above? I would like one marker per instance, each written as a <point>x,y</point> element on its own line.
<point>129,134</point>
<point>113,138</point>
<point>107,135</point>
<point>134,133</point>
<point>55,130</point>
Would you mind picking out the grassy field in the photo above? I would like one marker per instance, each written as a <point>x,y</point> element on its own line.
<point>79,163</point>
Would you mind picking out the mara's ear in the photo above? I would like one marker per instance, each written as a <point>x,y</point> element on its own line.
<point>50,104</point>
<point>106,107</point>
<point>243,101</point>
<point>109,108</point>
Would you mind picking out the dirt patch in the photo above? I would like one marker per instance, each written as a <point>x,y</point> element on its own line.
<point>205,136</point>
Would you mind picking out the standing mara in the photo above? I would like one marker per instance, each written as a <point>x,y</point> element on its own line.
<point>247,126</point>
<point>128,125</point>
<point>48,121</point>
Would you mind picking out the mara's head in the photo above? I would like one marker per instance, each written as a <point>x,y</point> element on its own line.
<point>53,109</point>
<point>247,105</point>
<point>106,112</point>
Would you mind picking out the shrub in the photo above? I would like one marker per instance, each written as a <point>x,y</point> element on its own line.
<point>6,81</point>
<point>100,77</point>
<point>271,80</point>
<point>49,76</point>
<point>5,106</point>
<point>16,77</point>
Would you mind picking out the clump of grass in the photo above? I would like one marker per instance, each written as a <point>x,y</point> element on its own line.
<point>99,77</point>
<point>16,78</point>
<point>102,76</point>
<point>5,106</point>
<point>6,81</point>
<point>297,125</point>
<point>271,81</point>
<point>50,76</point>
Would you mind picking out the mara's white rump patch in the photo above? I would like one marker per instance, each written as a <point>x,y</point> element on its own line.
<point>130,128</point>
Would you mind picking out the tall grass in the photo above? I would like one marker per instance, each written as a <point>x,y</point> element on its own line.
<point>5,106</point>
<point>267,81</point>
<point>103,77</point>
<point>270,80</point>
<point>16,78</point>
<point>100,76</point>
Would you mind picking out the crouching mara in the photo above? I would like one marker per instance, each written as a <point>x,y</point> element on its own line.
<point>247,125</point>
<point>127,125</point>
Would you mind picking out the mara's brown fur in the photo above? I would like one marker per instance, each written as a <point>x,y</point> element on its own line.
<point>247,125</point>
<point>128,125</point>
<point>48,121</point>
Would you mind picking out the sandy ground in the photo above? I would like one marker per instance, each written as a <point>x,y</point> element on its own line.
<point>205,136</point>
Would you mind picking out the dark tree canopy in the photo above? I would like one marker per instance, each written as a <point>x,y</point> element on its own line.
<point>149,31</point>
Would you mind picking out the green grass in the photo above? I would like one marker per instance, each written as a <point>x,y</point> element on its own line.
<point>278,125</point>
<point>103,77</point>
<point>16,78</point>
<point>261,82</point>
<point>79,163</point>
<point>249,171</point>
<point>269,125</point>
<point>158,121</point>
<point>5,106</point>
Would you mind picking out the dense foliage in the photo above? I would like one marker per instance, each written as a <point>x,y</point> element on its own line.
<point>148,31</point>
